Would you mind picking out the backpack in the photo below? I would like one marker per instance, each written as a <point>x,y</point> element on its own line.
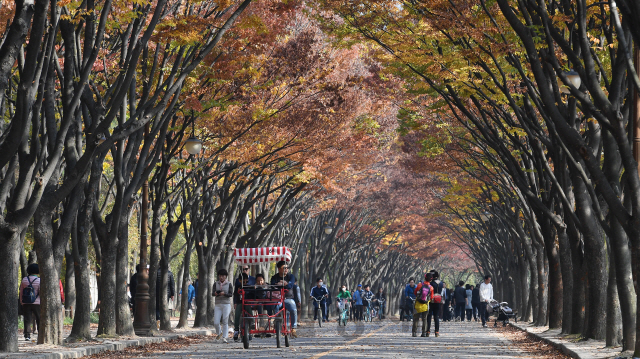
<point>29,293</point>
<point>423,293</point>
<point>437,296</point>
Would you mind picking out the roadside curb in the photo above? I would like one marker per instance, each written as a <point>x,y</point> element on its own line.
<point>591,349</point>
<point>106,346</point>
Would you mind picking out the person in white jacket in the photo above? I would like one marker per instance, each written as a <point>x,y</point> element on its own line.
<point>486,294</point>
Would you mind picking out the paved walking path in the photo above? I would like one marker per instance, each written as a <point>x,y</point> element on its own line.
<point>386,339</point>
<point>583,349</point>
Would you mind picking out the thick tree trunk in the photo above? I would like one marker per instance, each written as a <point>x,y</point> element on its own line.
<point>595,255</point>
<point>203,291</point>
<point>540,318</point>
<point>184,303</point>
<point>614,316</point>
<point>555,276</point>
<point>9,275</point>
<point>81,329</point>
<point>621,264</point>
<point>124,323</point>
<point>51,319</point>
<point>107,324</point>
<point>566,267</point>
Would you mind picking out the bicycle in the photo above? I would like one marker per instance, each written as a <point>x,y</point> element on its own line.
<point>409,308</point>
<point>320,309</point>
<point>368,299</point>
<point>374,312</point>
<point>381,302</point>
<point>343,305</point>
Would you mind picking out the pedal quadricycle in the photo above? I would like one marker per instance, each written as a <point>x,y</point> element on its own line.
<point>263,309</point>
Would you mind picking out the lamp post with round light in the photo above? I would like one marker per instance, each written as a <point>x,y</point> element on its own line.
<point>141,321</point>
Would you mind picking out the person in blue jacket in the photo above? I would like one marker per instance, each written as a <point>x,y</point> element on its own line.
<point>320,292</point>
<point>409,297</point>
<point>357,298</point>
<point>191,293</point>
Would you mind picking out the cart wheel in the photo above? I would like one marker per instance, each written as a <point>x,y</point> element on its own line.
<point>320,319</point>
<point>278,330</point>
<point>245,336</point>
<point>286,341</point>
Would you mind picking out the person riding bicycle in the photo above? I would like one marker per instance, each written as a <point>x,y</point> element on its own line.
<point>380,301</point>
<point>344,294</point>
<point>319,292</point>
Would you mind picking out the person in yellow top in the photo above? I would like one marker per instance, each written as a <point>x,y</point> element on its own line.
<point>424,294</point>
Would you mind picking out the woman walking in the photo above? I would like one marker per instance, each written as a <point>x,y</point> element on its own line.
<point>424,294</point>
<point>469,306</point>
<point>223,291</point>
<point>30,299</point>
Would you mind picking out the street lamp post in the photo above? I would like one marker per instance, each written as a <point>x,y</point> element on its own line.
<point>141,322</point>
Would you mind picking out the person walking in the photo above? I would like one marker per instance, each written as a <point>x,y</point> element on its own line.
<point>171,290</point>
<point>133,284</point>
<point>486,295</point>
<point>446,306</point>
<point>468,307</point>
<point>222,291</point>
<point>357,299</point>
<point>424,294</point>
<point>402,305</point>
<point>460,298</point>
<point>243,279</point>
<point>434,308</point>
<point>30,299</point>
<point>475,301</point>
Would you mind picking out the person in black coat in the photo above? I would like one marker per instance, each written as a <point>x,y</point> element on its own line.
<point>133,284</point>
<point>475,301</point>
<point>171,289</point>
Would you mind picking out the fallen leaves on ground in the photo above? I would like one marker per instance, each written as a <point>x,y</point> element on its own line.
<point>151,350</point>
<point>529,344</point>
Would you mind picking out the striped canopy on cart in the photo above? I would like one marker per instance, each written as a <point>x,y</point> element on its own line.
<point>262,255</point>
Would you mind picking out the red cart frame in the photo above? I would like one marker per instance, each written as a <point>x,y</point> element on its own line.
<point>275,323</point>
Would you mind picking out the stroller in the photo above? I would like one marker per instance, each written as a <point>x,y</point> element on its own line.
<point>503,312</point>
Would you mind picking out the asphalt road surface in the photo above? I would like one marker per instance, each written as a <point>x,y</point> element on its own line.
<point>380,339</point>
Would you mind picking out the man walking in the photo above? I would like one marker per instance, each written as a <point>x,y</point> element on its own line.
<point>486,294</point>
<point>357,298</point>
<point>460,298</point>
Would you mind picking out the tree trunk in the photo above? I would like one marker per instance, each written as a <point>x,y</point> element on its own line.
<point>80,248</point>
<point>621,264</point>
<point>614,316</point>
<point>107,324</point>
<point>69,281</point>
<point>50,327</point>
<point>9,255</point>
<point>184,302</point>
<point>124,323</point>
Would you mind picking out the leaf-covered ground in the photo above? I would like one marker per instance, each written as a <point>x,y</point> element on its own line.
<point>527,343</point>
